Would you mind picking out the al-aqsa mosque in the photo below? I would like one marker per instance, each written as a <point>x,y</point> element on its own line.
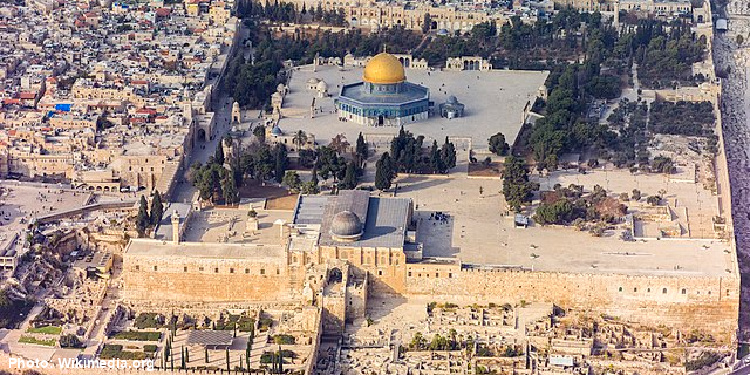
<point>384,97</point>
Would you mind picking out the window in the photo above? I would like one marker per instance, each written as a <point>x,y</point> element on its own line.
<point>247,270</point>
<point>262,271</point>
<point>664,290</point>
<point>648,290</point>
<point>231,270</point>
<point>184,269</point>
<point>409,271</point>
<point>450,275</point>
<point>137,268</point>
<point>155,269</point>
<point>380,272</point>
<point>620,289</point>
<point>200,269</point>
<point>684,291</point>
<point>635,290</point>
<point>216,270</point>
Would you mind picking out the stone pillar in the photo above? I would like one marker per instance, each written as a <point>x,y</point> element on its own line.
<point>175,227</point>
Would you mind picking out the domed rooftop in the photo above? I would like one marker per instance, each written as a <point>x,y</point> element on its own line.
<point>276,130</point>
<point>346,226</point>
<point>384,68</point>
<point>451,100</point>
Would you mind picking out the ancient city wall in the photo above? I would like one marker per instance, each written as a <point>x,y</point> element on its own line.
<point>208,279</point>
<point>705,303</point>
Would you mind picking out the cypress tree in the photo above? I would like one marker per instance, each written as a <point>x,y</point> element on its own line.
<point>206,354</point>
<point>219,156</point>
<point>350,178</point>
<point>383,172</point>
<point>157,208</point>
<point>142,220</point>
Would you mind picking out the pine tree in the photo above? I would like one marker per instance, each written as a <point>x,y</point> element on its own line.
<point>142,220</point>
<point>157,208</point>
<point>182,358</point>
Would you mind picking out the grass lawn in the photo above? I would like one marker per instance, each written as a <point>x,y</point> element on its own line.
<point>33,340</point>
<point>48,330</point>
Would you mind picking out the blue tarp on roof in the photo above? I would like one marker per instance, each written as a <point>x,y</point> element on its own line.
<point>62,107</point>
<point>50,113</point>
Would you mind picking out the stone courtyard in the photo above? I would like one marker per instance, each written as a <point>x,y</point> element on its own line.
<point>494,102</point>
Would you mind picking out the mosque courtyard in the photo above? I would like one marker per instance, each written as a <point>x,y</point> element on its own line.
<point>494,102</point>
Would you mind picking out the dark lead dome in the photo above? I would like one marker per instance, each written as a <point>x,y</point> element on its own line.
<point>452,100</point>
<point>346,226</point>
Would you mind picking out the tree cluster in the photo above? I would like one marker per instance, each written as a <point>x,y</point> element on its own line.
<point>411,157</point>
<point>683,118</point>
<point>147,218</point>
<point>565,205</point>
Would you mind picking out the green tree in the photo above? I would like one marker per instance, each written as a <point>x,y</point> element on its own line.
<point>281,162</point>
<point>448,155</point>
<point>142,220</point>
<point>350,178</point>
<point>219,156</point>
<point>229,190</point>
<point>260,132</point>
<point>498,145</point>
<point>314,178</point>
<point>157,208</point>
<point>309,188</point>
<point>361,150</point>
<point>426,23</point>
<point>292,180</point>
<point>517,188</point>
<point>227,355</point>
<point>383,172</point>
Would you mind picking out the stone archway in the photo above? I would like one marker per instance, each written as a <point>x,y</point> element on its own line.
<point>201,136</point>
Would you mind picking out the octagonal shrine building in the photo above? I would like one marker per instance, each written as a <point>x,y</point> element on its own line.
<point>384,97</point>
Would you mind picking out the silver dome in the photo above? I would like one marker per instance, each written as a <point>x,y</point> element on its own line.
<point>346,226</point>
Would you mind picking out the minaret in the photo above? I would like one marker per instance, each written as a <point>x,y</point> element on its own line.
<point>175,227</point>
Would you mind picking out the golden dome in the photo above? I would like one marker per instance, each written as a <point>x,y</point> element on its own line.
<point>384,69</point>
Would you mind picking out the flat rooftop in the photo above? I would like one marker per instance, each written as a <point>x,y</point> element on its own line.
<point>166,249</point>
<point>231,226</point>
<point>384,219</point>
<point>494,103</point>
